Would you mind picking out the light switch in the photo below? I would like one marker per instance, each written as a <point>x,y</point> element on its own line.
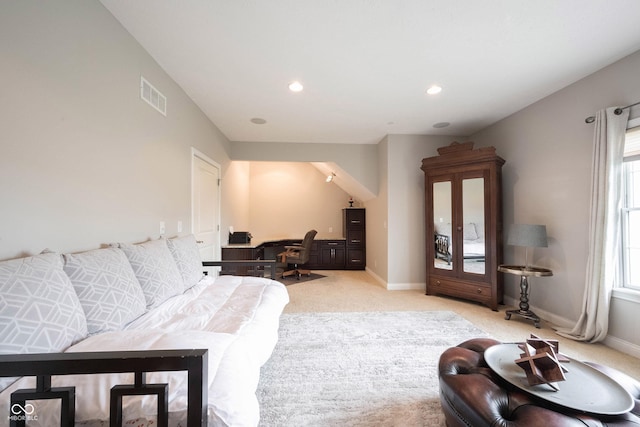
<point>163,229</point>
<point>179,226</point>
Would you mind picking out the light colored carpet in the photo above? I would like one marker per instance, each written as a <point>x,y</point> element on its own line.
<point>358,291</point>
<point>359,368</point>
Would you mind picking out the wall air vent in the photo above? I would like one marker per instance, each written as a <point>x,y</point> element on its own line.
<point>153,96</point>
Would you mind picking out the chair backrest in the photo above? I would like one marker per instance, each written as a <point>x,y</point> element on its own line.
<point>306,245</point>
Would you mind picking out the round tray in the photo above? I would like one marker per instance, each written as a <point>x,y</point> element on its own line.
<point>585,388</point>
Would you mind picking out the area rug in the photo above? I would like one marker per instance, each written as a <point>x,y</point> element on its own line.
<point>359,369</point>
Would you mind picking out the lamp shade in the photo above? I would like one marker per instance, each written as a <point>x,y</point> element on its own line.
<point>530,235</point>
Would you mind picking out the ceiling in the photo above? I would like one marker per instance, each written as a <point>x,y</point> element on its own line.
<point>366,64</point>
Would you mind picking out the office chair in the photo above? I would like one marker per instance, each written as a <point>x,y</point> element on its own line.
<point>298,255</point>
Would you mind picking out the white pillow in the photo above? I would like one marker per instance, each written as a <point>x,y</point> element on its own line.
<point>187,256</point>
<point>39,309</point>
<point>469,232</point>
<point>155,269</point>
<point>107,287</point>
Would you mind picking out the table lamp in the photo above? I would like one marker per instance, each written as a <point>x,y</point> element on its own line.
<point>529,236</point>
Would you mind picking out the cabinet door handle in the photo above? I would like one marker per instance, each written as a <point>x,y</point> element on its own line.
<point>332,244</point>
<point>355,221</point>
<point>355,241</point>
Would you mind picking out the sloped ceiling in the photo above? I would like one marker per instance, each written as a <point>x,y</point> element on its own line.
<point>366,64</point>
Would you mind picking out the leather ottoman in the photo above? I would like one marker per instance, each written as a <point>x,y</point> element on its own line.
<point>472,395</point>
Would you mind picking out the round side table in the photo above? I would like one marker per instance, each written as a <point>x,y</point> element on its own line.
<point>524,273</point>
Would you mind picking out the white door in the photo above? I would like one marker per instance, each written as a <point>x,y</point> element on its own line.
<point>206,205</point>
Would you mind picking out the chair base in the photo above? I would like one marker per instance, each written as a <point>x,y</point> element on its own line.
<point>296,272</point>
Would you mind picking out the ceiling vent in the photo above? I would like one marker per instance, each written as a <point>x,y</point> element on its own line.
<point>153,96</point>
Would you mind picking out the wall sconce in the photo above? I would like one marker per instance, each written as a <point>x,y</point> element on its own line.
<point>330,177</point>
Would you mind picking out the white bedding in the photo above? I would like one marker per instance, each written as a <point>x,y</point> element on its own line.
<point>473,248</point>
<point>235,318</point>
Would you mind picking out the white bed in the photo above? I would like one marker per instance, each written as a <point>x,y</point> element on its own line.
<point>235,318</point>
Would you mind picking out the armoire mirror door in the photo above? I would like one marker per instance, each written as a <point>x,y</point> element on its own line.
<point>443,220</point>
<point>473,226</point>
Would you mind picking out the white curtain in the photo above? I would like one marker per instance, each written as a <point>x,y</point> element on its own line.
<point>603,264</point>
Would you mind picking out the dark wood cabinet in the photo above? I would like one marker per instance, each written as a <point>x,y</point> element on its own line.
<point>355,235</point>
<point>464,223</point>
<point>332,254</point>
<point>326,254</point>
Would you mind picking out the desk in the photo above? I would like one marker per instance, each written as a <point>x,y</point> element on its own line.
<point>326,254</point>
<point>524,272</point>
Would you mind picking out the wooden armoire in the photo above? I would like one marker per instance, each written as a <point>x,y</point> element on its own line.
<point>463,199</point>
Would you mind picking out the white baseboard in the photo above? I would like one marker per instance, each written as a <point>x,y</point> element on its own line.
<point>379,279</point>
<point>623,346</point>
<point>396,286</point>
<point>558,321</point>
<point>406,286</point>
<point>562,322</point>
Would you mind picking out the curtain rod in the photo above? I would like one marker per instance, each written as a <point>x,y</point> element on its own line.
<point>617,112</point>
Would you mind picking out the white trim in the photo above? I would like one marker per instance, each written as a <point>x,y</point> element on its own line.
<point>562,322</point>
<point>626,294</point>
<point>623,346</point>
<point>378,279</point>
<point>633,123</point>
<point>406,286</point>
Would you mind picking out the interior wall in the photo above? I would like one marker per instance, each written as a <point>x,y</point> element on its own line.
<point>287,199</point>
<point>406,207</point>
<point>236,198</point>
<point>83,160</point>
<point>547,175</point>
<point>377,220</point>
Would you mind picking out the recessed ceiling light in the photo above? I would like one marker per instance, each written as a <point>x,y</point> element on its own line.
<point>295,86</point>
<point>434,90</point>
<point>441,125</point>
<point>258,121</point>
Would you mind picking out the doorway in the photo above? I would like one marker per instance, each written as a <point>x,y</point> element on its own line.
<point>205,205</point>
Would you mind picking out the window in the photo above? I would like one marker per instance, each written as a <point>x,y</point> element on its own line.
<point>631,210</point>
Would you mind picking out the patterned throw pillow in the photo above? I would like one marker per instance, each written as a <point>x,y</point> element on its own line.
<point>155,269</point>
<point>187,256</point>
<point>39,309</point>
<point>107,287</point>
